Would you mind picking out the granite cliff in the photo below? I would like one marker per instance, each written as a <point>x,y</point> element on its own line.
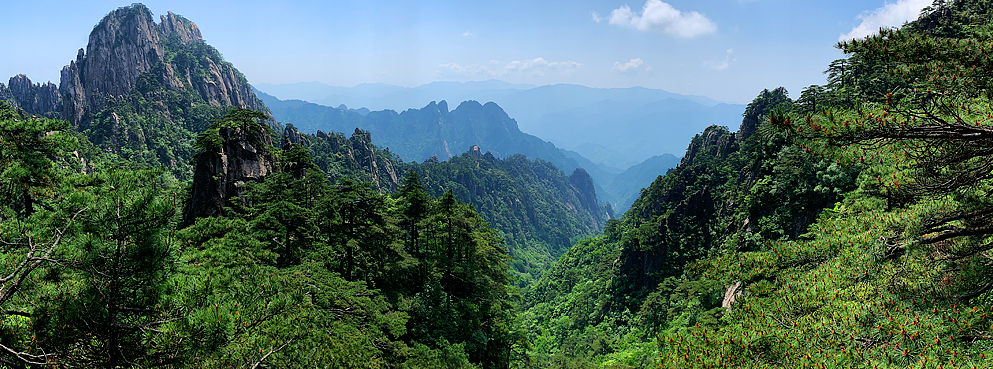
<point>128,45</point>
<point>33,98</point>
<point>240,153</point>
<point>140,89</point>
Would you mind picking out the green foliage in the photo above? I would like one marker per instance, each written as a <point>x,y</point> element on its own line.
<point>305,273</point>
<point>607,301</point>
<point>237,118</point>
<point>895,273</point>
<point>26,146</point>
<point>538,212</point>
<point>330,279</point>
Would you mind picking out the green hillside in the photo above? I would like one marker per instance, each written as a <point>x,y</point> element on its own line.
<point>846,228</point>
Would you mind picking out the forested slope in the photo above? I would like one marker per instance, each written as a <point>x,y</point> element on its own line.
<point>538,210</point>
<point>287,270</point>
<point>847,228</point>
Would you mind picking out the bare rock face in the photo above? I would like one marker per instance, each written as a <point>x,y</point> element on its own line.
<point>128,43</point>
<point>582,181</point>
<point>182,28</point>
<point>221,174</point>
<point>475,152</point>
<point>33,98</point>
<point>383,173</point>
<point>715,140</point>
<point>292,136</point>
<point>123,45</point>
<point>731,295</point>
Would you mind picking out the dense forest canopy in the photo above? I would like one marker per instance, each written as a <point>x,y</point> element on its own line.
<point>849,227</point>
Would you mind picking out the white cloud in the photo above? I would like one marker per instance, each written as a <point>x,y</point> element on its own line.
<point>467,34</point>
<point>535,67</point>
<point>889,15</point>
<point>539,66</point>
<point>596,17</point>
<point>456,69</point>
<point>723,64</point>
<point>631,67</point>
<point>657,14</point>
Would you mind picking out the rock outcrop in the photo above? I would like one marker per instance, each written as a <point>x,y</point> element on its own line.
<point>355,157</point>
<point>141,88</point>
<point>128,44</point>
<point>33,98</point>
<point>363,152</point>
<point>292,136</point>
<point>586,190</point>
<point>222,172</point>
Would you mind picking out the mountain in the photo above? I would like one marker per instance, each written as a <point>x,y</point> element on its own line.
<point>434,131</point>
<point>635,123</point>
<point>33,98</point>
<point>846,228</point>
<point>538,210</point>
<point>378,96</point>
<point>637,279</point>
<point>141,90</point>
<point>627,186</point>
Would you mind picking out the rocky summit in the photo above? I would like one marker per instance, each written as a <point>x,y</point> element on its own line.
<point>126,44</point>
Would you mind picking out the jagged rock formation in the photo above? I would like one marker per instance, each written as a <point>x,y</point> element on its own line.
<point>33,98</point>
<point>434,130</point>
<point>292,136</point>
<point>128,43</point>
<point>475,152</point>
<point>586,191</point>
<point>143,89</point>
<point>221,173</point>
<point>354,157</point>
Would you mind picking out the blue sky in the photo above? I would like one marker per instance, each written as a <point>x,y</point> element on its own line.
<point>728,50</point>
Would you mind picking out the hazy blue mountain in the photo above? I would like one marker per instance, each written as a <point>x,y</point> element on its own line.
<point>377,96</point>
<point>631,131</point>
<point>632,124</point>
<point>602,155</point>
<point>626,187</point>
<point>434,131</point>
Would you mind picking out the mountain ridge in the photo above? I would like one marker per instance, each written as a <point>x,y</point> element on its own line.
<point>565,114</point>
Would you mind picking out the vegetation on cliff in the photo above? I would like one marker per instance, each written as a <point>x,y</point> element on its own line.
<point>850,227</point>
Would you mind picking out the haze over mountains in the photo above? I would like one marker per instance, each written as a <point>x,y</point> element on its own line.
<point>613,127</point>
<point>157,212</point>
<point>436,132</point>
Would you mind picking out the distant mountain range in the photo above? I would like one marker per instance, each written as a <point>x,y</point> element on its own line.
<point>435,133</point>
<point>625,125</point>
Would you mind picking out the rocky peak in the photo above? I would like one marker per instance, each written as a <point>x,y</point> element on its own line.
<point>128,43</point>
<point>582,181</point>
<point>33,98</point>
<point>714,140</point>
<point>292,136</point>
<point>185,30</point>
<point>383,173</point>
<point>123,45</point>
<point>759,109</point>
<point>221,172</point>
<point>475,152</point>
